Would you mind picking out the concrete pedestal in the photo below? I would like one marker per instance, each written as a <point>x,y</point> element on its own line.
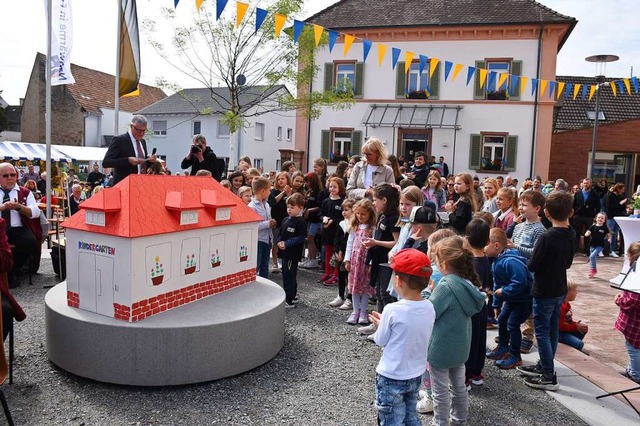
<point>215,337</point>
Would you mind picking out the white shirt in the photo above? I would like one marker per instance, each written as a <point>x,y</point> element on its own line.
<point>135,149</point>
<point>404,332</point>
<point>369,170</point>
<point>16,219</point>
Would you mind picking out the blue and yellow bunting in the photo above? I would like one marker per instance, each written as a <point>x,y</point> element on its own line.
<point>261,15</point>
<point>366,48</point>
<point>220,5</point>
<point>298,26</point>
<point>333,37</point>
<point>395,55</point>
<point>423,60</point>
<point>470,72</point>
<point>447,69</point>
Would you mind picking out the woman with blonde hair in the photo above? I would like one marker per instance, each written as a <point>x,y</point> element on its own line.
<point>371,171</point>
<point>490,191</point>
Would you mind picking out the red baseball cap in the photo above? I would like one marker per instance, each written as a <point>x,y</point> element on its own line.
<point>412,262</point>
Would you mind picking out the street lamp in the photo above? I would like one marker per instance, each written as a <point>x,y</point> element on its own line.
<point>601,68</point>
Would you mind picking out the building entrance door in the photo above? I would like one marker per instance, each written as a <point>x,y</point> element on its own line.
<point>413,141</point>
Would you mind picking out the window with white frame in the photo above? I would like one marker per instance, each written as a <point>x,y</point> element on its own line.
<point>223,213</point>
<point>159,128</point>
<point>345,76</point>
<point>279,135</point>
<point>341,146</point>
<point>189,217</point>
<point>258,163</point>
<point>223,130</point>
<point>278,164</point>
<point>417,81</point>
<point>197,127</point>
<point>493,151</point>
<point>259,127</point>
<point>289,135</point>
<point>94,218</point>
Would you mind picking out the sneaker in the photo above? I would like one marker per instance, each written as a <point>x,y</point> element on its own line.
<point>370,338</point>
<point>336,302</point>
<point>295,299</point>
<point>324,277</point>
<point>534,370</point>
<point>425,405</point>
<point>592,273</point>
<point>346,306</point>
<point>275,268</point>
<point>353,318</point>
<point>364,318</point>
<point>477,380</point>
<point>310,264</point>
<point>499,352</point>
<point>331,281</point>
<point>367,330</point>
<point>423,394</point>
<point>546,382</point>
<point>601,254</point>
<point>289,305</point>
<point>613,254</point>
<point>492,323</point>
<point>508,363</point>
<point>467,384</point>
<point>525,346</point>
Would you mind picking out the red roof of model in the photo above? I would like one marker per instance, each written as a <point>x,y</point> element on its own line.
<point>144,205</point>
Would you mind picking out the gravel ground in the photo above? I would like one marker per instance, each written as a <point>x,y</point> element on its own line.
<point>324,375</point>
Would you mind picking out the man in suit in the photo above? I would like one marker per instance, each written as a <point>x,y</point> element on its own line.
<point>127,153</point>
<point>586,205</point>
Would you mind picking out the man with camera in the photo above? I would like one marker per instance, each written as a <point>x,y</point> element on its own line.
<point>201,157</point>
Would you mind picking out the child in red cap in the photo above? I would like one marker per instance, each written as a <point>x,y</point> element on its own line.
<point>404,330</point>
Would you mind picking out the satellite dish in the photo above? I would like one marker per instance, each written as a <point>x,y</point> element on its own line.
<point>241,80</point>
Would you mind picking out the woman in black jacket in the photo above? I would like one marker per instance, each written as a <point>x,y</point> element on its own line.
<point>615,204</point>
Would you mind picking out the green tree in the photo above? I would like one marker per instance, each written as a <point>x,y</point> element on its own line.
<point>219,52</point>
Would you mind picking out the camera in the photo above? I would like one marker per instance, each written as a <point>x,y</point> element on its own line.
<point>195,149</point>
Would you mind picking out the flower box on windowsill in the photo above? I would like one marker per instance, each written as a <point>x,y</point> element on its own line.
<point>418,94</point>
<point>492,171</point>
<point>499,95</point>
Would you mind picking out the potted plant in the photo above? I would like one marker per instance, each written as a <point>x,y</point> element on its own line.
<point>215,259</point>
<point>190,266</point>
<point>244,255</point>
<point>636,205</point>
<point>157,273</point>
<point>491,164</point>
<point>418,94</point>
<point>498,95</point>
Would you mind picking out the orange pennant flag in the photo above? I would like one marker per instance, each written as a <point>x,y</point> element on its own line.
<point>576,90</point>
<point>317,32</point>
<point>592,90</point>
<point>523,84</point>
<point>483,76</point>
<point>408,58</point>
<point>433,63</point>
<point>613,88</point>
<point>382,50</point>
<point>241,10</point>
<point>348,41</point>
<point>456,71</point>
<point>560,89</point>
<point>543,87</point>
<point>280,20</point>
<point>199,4</point>
<point>627,85</point>
<point>502,79</point>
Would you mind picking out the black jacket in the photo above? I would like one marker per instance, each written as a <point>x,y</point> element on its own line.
<point>612,206</point>
<point>210,162</point>
<point>552,256</point>
<point>586,208</point>
<point>117,157</point>
<point>293,232</point>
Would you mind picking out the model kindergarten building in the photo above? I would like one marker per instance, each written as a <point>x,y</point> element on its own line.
<point>153,243</point>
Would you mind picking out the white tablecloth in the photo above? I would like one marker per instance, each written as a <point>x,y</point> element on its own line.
<point>630,228</point>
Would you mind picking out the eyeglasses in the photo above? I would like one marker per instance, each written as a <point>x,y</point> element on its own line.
<point>138,129</point>
<point>9,175</point>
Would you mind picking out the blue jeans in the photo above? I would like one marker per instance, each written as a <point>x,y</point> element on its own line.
<point>614,228</point>
<point>595,251</point>
<point>512,316</point>
<point>634,362</point>
<point>264,251</point>
<point>573,339</point>
<point>396,401</point>
<point>546,320</point>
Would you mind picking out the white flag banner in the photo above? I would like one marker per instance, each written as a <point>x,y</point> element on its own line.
<point>61,41</point>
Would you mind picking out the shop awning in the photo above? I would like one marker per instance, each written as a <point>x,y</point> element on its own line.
<point>30,151</point>
<point>425,116</point>
<point>82,153</point>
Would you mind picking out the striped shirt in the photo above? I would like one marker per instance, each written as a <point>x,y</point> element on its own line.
<point>525,235</point>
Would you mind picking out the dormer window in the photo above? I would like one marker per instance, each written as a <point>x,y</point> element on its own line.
<point>94,218</point>
<point>189,217</point>
<point>223,213</point>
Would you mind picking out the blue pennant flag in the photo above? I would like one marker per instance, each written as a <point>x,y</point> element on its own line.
<point>395,55</point>
<point>636,86</point>
<point>333,36</point>
<point>447,69</point>
<point>220,5</point>
<point>568,90</point>
<point>585,90</point>
<point>620,85</point>
<point>261,15</point>
<point>470,73</point>
<point>552,89</point>
<point>491,83</point>
<point>424,60</point>
<point>534,86</point>
<point>504,162</point>
<point>515,83</point>
<point>298,26</point>
<point>366,48</point>
<point>175,3</point>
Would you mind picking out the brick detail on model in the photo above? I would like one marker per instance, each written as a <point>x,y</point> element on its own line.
<point>73,299</point>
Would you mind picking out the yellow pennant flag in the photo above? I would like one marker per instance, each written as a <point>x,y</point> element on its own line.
<point>433,63</point>
<point>280,20</point>
<point>456,71</point>
<point>523,84</point>
<point>576,90</point>
<point>132,94</point>
<point>592,90</point>
<point>241,10</point>
<point>199,4</point>
<point>627,85</point>
<point>348,41</point>
<point>543,87</point>
<point>408,57</point>
<point>483,76</point>
<point>613,88</point>
<point>502,79</point>
<point>560,89</point>
<point>317,32</point>
<point>382,50</point>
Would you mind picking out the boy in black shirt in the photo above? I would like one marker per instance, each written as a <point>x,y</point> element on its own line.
<point>293,233</point>
<point>552,256</point>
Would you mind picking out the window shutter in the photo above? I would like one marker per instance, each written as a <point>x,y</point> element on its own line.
<point>328,76</point>
<point>478,92</point>
<point>434,83</point>
<point>358,90</point>
<point>512,153</point>
<point>325,146</point>
<point>475,152</point>
<point>516,69</point>
<point>356,142</point>
<point>401,81</point>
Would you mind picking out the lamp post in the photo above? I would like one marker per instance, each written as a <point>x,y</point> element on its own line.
<point>601,68</point>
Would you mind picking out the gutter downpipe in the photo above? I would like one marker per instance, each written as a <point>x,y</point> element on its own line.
<point>535,104</point>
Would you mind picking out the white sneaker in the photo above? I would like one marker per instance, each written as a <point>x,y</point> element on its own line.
<point>367,330</point>
<point>346,306</point>
<point>425,405</point>
<point>600,254</point>
<point>337,302</point>
<point>613,254</point>
<point>370,337</point>
<point>274,268</point>
<point>310,264</point>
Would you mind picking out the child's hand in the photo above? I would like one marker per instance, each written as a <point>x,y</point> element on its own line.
<point>272,223</point>
<point>374,317</point>
<point>339,256</point>
<point>287,190</point>
<point>587,234</point>
<point>281,245</point>
<point>510,244</point>
<point>582,328</point>
<point>369,242</point>
<point>498,292</point>
<point>347,265</point>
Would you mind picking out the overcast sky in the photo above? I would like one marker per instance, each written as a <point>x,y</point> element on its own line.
<point>604,27</point>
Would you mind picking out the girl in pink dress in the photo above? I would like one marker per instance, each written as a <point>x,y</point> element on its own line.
<point>355,260</point>
<point>507,203</point>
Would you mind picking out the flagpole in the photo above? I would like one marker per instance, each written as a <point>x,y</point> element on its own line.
<point>116,102</point>
<point>47,69</point>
